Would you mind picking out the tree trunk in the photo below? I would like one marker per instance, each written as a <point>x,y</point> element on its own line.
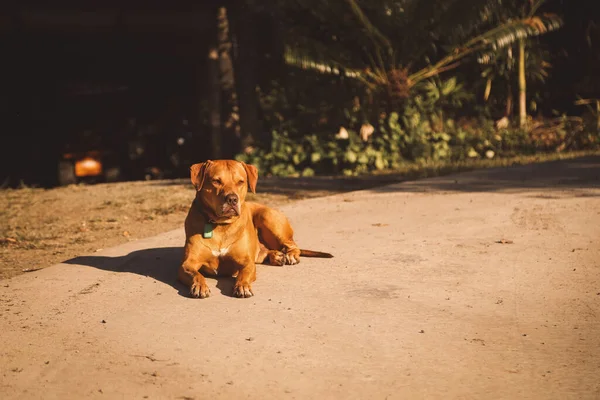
<point>598,115</point>
<point>488,89</point>
<point>522,86</point>
<point>246,62</point>
<point>214,102</point>
<point>509,100</point>
<point>230,110</point>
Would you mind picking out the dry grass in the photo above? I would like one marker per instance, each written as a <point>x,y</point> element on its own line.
<point>41,227</point>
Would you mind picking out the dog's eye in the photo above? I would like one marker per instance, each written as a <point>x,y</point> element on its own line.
<point>217,182</point>
<point>241,182</point>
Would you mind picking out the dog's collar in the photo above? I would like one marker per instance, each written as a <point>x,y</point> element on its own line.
<point>208,216</point>
<point>208,230</point>
<point>209,224</point>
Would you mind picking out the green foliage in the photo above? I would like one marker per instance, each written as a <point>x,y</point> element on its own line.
<point>424,130</point>
<point>370,72</point>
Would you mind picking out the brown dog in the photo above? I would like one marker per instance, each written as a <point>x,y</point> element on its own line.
<point>225,235</point>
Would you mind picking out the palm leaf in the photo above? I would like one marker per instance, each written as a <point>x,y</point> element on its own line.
<point>321,58</point>
<point>375,34</point>
<point>296,58</point>
<point>512,31</point>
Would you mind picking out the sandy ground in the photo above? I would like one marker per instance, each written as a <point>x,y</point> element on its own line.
<point>477,285</point>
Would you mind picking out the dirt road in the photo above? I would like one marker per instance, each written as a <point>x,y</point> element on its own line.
<point>477,285</point>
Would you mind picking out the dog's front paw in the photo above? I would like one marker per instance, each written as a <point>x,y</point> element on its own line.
<point>200,290</point>
<point>242,290</point>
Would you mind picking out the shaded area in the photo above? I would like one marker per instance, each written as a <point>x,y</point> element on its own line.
<point>290,186</point>
<point>157,263</point>
<point>580,173</point>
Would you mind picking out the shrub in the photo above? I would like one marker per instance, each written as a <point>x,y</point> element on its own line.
<point>424,130</point>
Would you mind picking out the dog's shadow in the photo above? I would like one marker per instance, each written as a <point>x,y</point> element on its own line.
<point>158,263</point>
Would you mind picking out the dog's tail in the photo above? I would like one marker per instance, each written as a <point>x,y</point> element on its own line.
<point>318,254</point>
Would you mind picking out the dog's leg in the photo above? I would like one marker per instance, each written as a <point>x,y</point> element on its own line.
<point>270,257</point>
<point>245,277</point>
<point>277,235</point>
<point>190,276</point>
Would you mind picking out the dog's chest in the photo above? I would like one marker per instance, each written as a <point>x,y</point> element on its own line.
<point>222,265</point>
<point>220,252</point>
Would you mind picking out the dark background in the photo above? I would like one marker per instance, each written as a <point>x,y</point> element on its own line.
<point>77,74</point>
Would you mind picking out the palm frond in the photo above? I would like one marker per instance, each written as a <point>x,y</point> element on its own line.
<point>535,6</point>
<point>375,34</point>
<point>308,60</point>
<point>322,58</point>
<point>458,19</point>
<point>512,31</point>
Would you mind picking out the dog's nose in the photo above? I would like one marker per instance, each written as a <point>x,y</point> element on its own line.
<point>232,199</point>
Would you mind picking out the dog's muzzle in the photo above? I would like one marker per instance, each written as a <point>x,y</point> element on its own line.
<point>231,207</point>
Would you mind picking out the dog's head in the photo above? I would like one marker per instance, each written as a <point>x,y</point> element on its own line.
<point>221,187</point>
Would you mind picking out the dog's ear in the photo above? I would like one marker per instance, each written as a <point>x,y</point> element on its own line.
<point>198,172</point>
<point>252,173</point>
